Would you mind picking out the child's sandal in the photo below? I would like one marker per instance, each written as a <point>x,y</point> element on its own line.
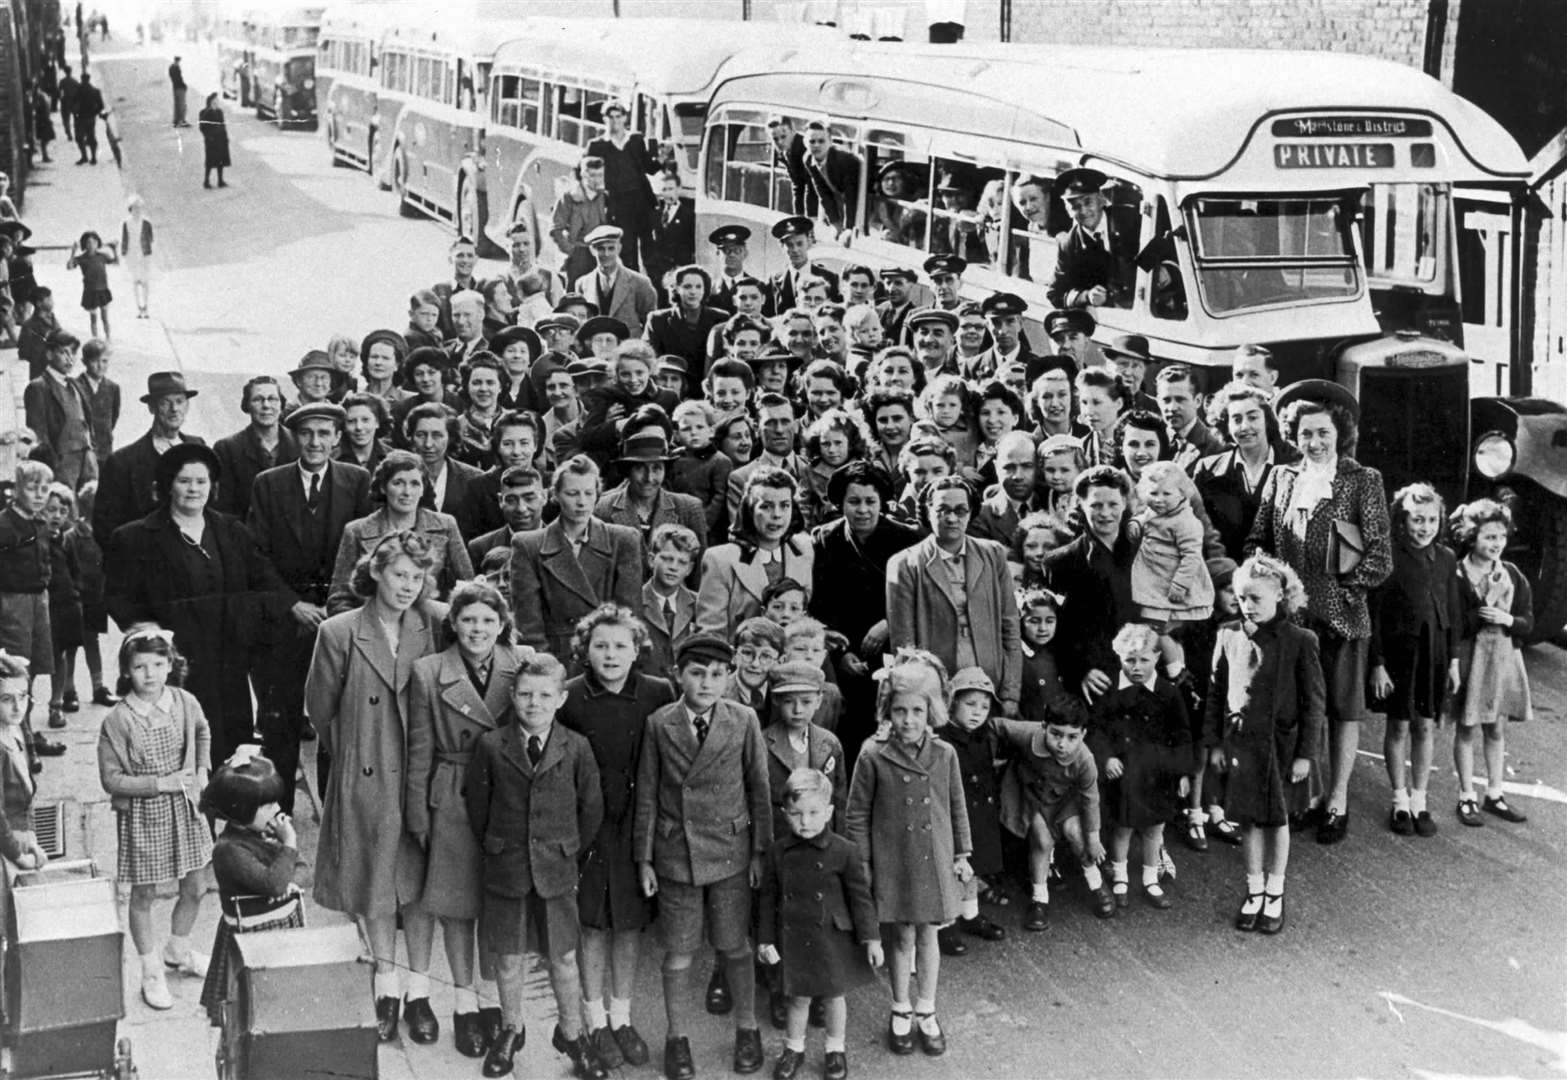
<point>994,895</point>
<point>1196,836</point>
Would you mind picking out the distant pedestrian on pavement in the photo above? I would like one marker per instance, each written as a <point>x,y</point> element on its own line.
<point>89,107</point>
<point>177,81</point>
<point>215,136</point>
<point>136,250</point>
<point>70,90</point>
<point>91,257</point>
<point>43,126</point>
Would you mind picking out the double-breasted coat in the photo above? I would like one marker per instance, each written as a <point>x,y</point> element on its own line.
<point>816,908</point>
<point>922,611</point>
<point>907,818</point>
<point>357,695</point>
<point>703,811</point>
<point>532,821</point>
<point>610,896</point>
<point>552,588</point>
<point>977,751</point>
<point>446,718</point>
<point>733,580</point>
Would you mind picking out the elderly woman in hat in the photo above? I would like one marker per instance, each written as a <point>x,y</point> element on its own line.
<point>1326,515</point>
<point>198,573</point>
<point>627,164</point>
<point>317,378</point>
<point>518,348</point>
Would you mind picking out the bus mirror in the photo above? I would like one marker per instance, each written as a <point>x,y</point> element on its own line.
<point>1180,233</point>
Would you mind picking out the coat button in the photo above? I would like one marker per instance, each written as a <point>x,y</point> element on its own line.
<point>374,700</point>
<point>818,866</point>
<point>908,802</point>
<point>818,896</point>
<point>907,778</point>
<point>926,801</point>
<point>369,770</point>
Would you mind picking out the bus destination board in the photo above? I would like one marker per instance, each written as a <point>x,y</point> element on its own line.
<point>1333,155</point>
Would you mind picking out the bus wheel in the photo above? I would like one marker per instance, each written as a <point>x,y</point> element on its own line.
<point>468,222</point>
<point>400,183</point>
<point>1541,520</point>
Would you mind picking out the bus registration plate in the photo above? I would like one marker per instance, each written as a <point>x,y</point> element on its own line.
<point>1333,155</point>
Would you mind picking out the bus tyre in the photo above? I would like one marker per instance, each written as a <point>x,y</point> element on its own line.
<point>400,183</point>
<point>469,220</point>
<point>1541,520</point>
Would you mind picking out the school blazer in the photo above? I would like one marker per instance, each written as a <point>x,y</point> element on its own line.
<point>702,812</point>
<point>663,637</point>
<point>921,609</point>
<point>551,588</point>
<point>532,820</point>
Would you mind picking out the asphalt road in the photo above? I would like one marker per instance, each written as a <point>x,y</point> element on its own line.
<point>1439,957</point>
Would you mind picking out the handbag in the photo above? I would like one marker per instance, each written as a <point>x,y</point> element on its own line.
<point>1346,547</point>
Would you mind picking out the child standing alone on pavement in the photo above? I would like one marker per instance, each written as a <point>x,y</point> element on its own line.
<point>90,256</point>
<point>1414,650</point>
<point>1266,714</point>
<point>153,756</point>
<point>1498,613</point>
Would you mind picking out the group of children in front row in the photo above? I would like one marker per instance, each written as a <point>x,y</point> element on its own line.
<point>734,827</point>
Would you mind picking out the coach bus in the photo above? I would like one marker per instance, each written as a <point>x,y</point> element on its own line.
<point>430,110</point>
<point>230,37</point>
<point>346,86</point>
<point>1305,202</point>
<point>283,63</point>
<point>549,86</point>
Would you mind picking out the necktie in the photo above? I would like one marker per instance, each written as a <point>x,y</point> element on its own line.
<point>669,613</point>
<point>313,500</point>
<point>535,749</point>
<point>701,723</point>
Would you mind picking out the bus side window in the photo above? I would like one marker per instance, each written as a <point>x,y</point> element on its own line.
<point>958,227</point>
<point>505,106</point>
<point>1031,249</point>
<point>568,109</point>
<point>529,94</point>
<point>899,211</point>
<point>592,115</point>
<point>713,162</point>
<point>748,170</point>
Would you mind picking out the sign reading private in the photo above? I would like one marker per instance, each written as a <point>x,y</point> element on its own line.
<point>1333,155</point>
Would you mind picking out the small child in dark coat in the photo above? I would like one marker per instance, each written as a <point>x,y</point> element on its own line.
<point>971,697</point>
<point>1038,610</point>
<point>813,884</point>
<point>700,469</point>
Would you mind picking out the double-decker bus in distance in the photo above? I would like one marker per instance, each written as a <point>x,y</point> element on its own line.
<point>1299,201</point>
<point>430,110</point>
<point>346,57</point>
<point>283,63</point>
<point>548,89</point>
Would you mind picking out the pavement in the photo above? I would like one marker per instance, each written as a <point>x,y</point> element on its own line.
<point>1403,957</point>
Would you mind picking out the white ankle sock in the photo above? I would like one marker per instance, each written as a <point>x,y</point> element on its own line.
<point>1041,892</point>
<point>1118,873</point>
<point>969,909</point>
<point>1274,885</point>
<point>1401,799</point>
<point>464,1000</point>
<point>386,985</point>
<point>619,1012</point>
<point>151,964</point>
<point>1150,875</point>
<point>835,1046</point>
<point>177,948</point>
<point>417,986</point>
<point>1254,884</point>
<point>1092,875</point>
<point>1493,789</point>
<point>902,1022</point>
<point>1417,802</point>
<point>593,1016</point>
<point>924,1005</point>
<point>797,1045</point>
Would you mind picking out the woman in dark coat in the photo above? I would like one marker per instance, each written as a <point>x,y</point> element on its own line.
<point>609,704</point>
<point>683,327</point>
<point>215,137</point>
<point>198,573</point>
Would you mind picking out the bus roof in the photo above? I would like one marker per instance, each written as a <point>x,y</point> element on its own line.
<point>1174,113</point>
<point>362,18</point>
<point>675,56</point>
<point>465,37</point>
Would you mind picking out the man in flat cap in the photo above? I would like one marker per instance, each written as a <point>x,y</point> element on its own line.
<point>933,333</point>
<point>617,290</point>
<point>126,490</point>
<point>297,514</point>
<point>787,287</point>
<point>1095,263</point>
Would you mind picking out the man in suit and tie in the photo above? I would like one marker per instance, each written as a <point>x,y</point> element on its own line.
<point>260,445</point>
<point>734,247</point>
<point>614,288</point>
<point>126,489</point>
<point>834,175</point>
<point>1070,331</point>
<point>786,288</point>
<point>775,420</point>
<point>297,513</point>
<point>894,311</point>
<point>1003,312</point>
<point>1175,388</point>
<point>672,237</point>
<point>1015,497</point>
<point>789,148</point>
<point>1096,260</point>
<point>521,498</point>
<point>60,415</point>
<point>467,326</point>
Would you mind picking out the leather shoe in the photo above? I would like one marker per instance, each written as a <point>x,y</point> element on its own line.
<point>490,1025</point>
<point>900,1044</point>
<point>632,1048</point>
<point>1501,809</point>
<point>789,1063</point>
<point>982,928</point>
<point>835,1066</point>
<point>386,1010</point>
<point>1469,813</point>
<point>101,696</point>
<point>1401,823</point>
<point>585,1063</point>
<point>1157,897</point>
<point>933,1045</point>
<point>949,942</point>
<point>423,1027</point>
<point>1038,916</point>
<point>607,1048</point>
<point>1226,830</point>
<point>1104,902</point>
<point>777,1009</point>
<point>468,1033</point>
<point>1425,824</point>
<point>46,747</point>
<point>1246,921</point>
<point>748,1050</point>
<point>677,1059</point>
<point>719,1002</point>
<point>1271,924</point>
<point>498,1061</point>
<point>1334,827</point>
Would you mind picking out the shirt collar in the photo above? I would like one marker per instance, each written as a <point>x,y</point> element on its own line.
<point>165,703</point>
<point>62,380</point>
<point>1124,681</point>
<point>962,551</point>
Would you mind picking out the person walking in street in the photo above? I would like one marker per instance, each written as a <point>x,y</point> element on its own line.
<point>70,90</point>
<point>215,138</point>
<point>177,82</point>
<point>90,256</point>
<point>136,250</point>
<point>89,107</point>
<point>43,126</point>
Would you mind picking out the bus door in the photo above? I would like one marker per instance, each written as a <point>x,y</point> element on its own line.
<point>1486,275</point>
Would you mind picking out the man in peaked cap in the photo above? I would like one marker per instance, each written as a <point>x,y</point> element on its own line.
<point>946,279</point>
<point>618,291</point>
<point>1070,331</point>
<point>1095,263</point>
<point>894,311</point>
<point>734,247</point>
<point>796,234</point>
<point>126,490</point>
<point>1004,313</point>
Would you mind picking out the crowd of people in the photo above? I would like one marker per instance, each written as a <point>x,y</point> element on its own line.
<point>818,624</point>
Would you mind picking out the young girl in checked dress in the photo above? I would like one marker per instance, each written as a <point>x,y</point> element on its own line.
<point>153,757</point>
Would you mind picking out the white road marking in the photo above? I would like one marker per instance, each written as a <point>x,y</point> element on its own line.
<point>1537,790</point>
<point>1514,1028</point>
